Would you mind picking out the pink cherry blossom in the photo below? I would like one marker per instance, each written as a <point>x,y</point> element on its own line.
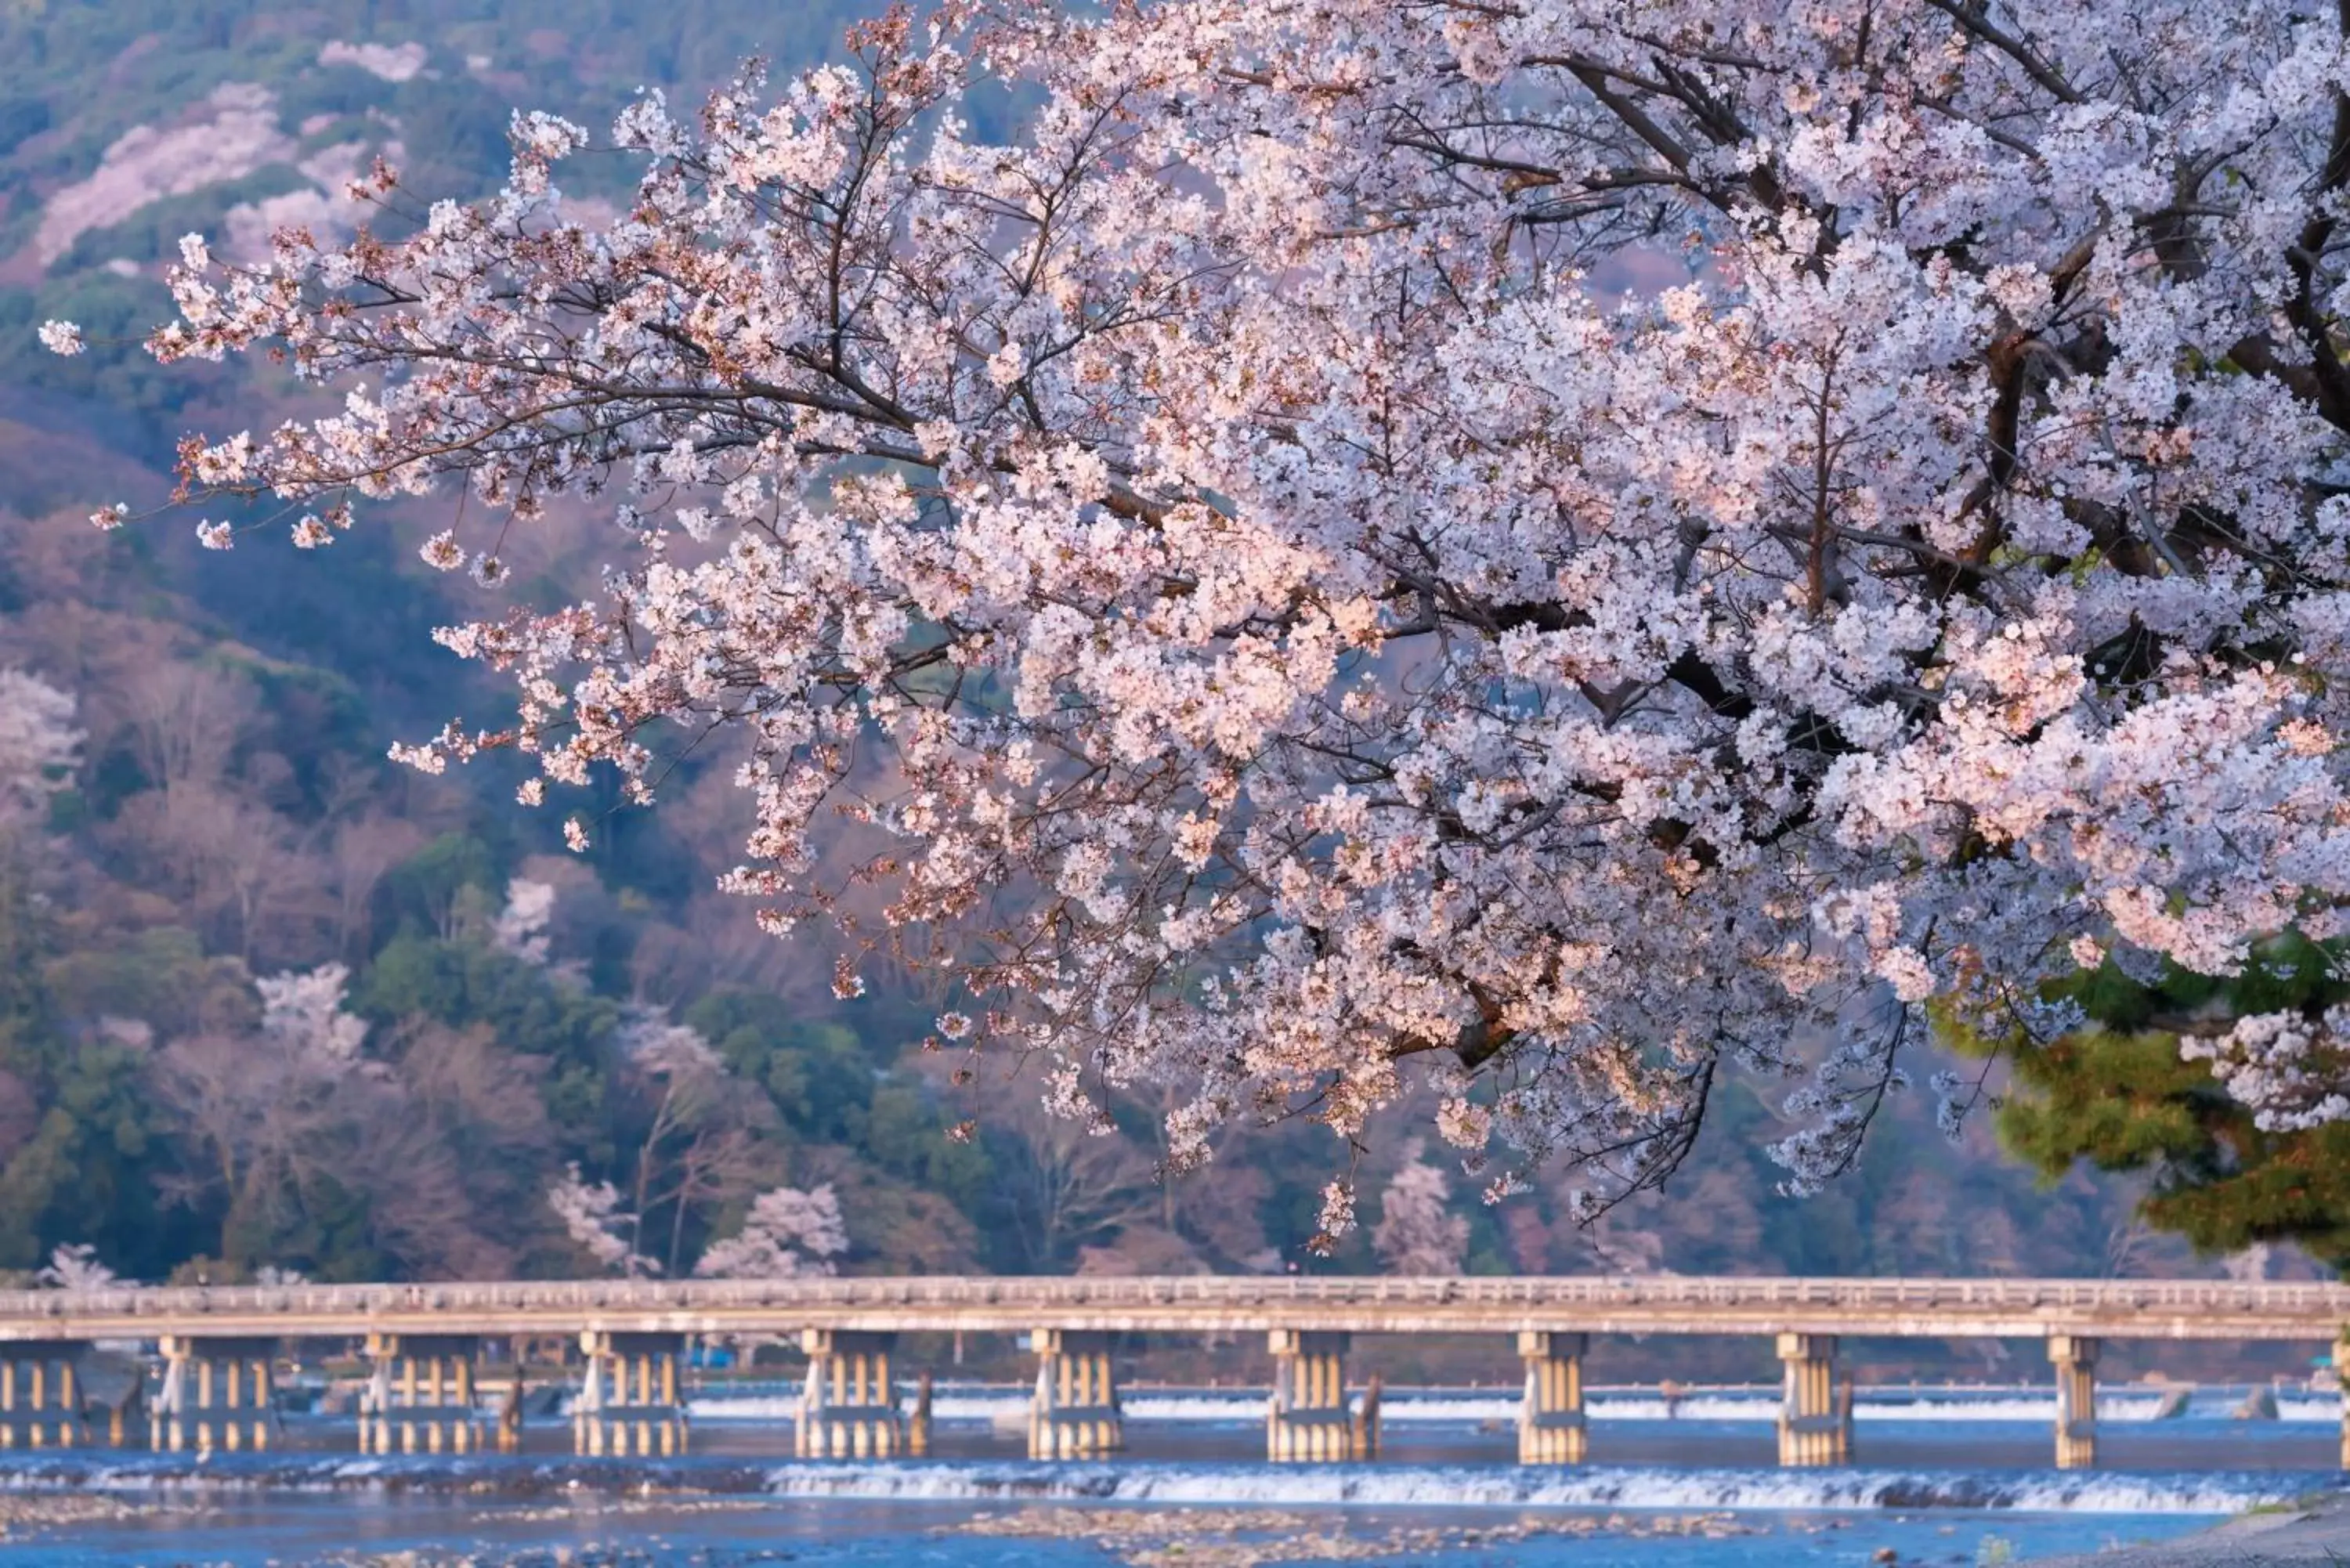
<point>1305,600</point>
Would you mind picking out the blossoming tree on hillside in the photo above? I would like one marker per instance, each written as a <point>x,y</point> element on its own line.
<point>597,1225</point>
<point>1416,1234</point>
<point>39,746</point>
<point>789,1231</point>
<point>1315,621</point>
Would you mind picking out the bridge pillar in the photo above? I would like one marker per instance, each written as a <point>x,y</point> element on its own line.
<point>2075,1360</point>
<point>849,1407</point>
<point>1310,1417</point>
<point>1550,1429</point>
<point>1815,1416</point>
<point>510,1399</point>
<point>631,1387</point>
<point>40,1394</point>
<point>2342,1379</point>
<point>1075,1413</point>
<point>220,1387</point>
<point>421,1389</point>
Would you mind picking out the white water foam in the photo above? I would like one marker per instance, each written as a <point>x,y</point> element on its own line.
<point>1595,1487</point>
<point>1141,1482</point>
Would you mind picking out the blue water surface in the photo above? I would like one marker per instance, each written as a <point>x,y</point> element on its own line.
<point>281,1531</point>
<point>1934,1493</point>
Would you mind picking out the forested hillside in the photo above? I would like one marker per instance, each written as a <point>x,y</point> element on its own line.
<point>269,1000</point>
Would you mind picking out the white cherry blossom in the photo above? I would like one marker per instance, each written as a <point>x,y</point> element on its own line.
<point>592,1217</point>
<point>789,1231</point>
<point>303,1013</point>
<point>1304,602</point>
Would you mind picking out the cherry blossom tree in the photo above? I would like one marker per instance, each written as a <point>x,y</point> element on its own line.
<point>789,1231</point>
<point>521,927</point>
<point>1299,614</point>
<point>75,1266</point>
<point>277,1110</point>
<point>592,1217</point>
<point>1417,1233</point>
<point>39,745</point>
<point>302,1013</point>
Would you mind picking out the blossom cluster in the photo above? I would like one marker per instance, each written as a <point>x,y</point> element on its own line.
<point>789,1232</point>
<point>40,746</point>
<point>302,1013</point>
<point>1588,545</point>
<point>595,1222</point>
<point>2291,1071</point>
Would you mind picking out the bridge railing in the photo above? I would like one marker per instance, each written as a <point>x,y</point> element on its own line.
<point>1565,1293</point>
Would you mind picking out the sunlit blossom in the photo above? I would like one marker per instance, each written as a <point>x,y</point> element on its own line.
<point>1290,573</point>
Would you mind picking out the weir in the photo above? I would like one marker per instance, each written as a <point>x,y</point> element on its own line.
<point>1550,1426</point>
<point>2075,1360</point>
<point>1074,1412</point>
<point>1815,1416</point>
<point>220,1388</point>
<point>848,1407</point>
<point>40,1395</point>
<point>630,1388</point>
<point>421,1387</point>
<point>1310,1416</point>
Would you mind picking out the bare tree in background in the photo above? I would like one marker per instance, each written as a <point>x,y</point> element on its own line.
<point>361,852</point>
<point>479,1108</point>
<point>1068,1186</point>
<point>436,1138</point>
<point>279,893</point>
<point>2126,1240</point>
<point>705,1143</point>
<point>186,720</point>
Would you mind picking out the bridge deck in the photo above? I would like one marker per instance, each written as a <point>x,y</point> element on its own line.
<point>1938,1309</point>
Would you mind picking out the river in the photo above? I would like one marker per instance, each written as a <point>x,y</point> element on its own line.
<point>1945,1477</point>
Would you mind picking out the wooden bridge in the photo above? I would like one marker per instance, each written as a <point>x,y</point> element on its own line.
<point>1207,1303</point>
<point>424,1341</point>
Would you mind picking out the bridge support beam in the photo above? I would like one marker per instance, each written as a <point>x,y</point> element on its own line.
<point>1075,1413</point>
<point>510,1402</point>
<point>1815,1416</point>
<point>421,1390</point>
<point>1310,1417</point>
<point>40,1394</point>
<point>848,1407</point>
<point>631,1389</point>
<point>2075,1360</point>
<point>218,1387</point>
<point>1550,1429</point>
<point>2341,1378</point>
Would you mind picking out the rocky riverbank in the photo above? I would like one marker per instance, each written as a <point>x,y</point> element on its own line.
<point>1256,1537</point>
<point>2315,1530</point>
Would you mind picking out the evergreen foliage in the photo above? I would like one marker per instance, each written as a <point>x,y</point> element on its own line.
<point>2118,1095</point>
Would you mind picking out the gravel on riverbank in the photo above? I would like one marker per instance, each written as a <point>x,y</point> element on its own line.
<point>2315,1530</point>
<point>29,1513</point>
<point>1258,1538</point>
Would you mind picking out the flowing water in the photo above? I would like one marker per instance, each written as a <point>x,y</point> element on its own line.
<point>1945,1477</point>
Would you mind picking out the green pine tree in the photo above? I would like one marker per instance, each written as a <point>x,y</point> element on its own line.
<point>2117,1094</point>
